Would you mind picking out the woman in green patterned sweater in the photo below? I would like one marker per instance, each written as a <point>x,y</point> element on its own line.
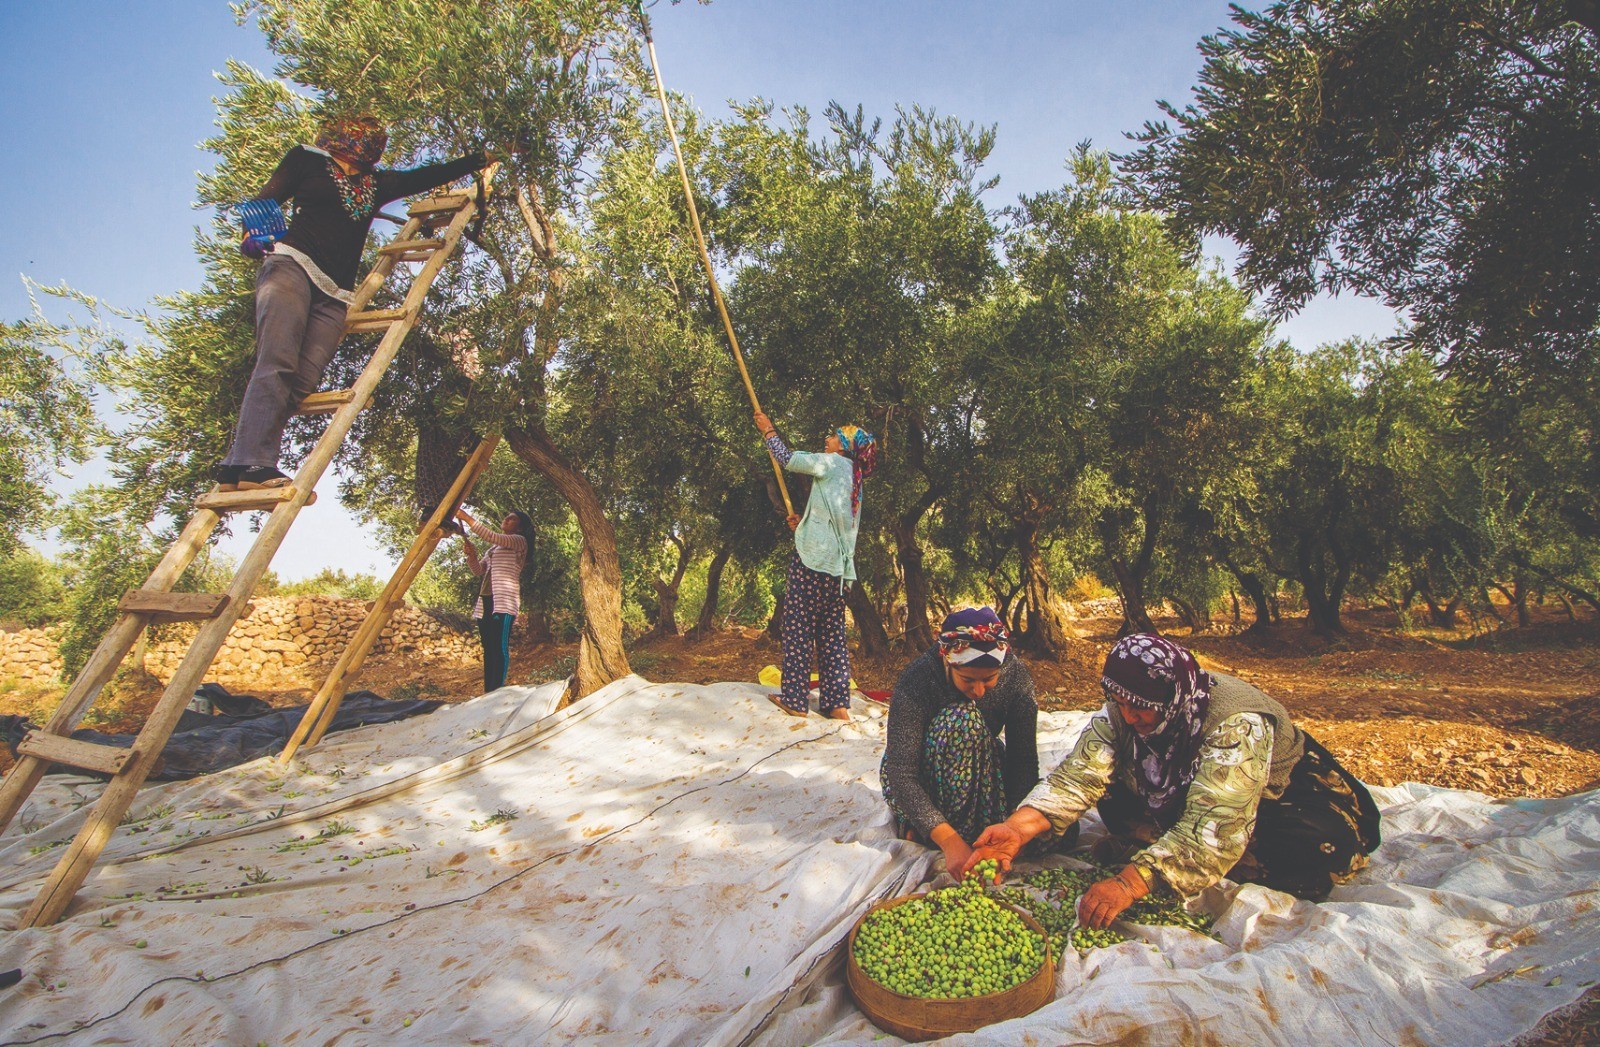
<point>1197,776</point>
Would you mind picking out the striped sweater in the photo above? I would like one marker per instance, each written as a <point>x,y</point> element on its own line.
<point>503,562</point>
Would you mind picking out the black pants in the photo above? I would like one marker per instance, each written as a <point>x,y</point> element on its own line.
<point>1305,841</point>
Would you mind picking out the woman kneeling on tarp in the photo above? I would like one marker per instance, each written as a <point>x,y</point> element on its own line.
<point>1197,776</point>
<point>946,774</point>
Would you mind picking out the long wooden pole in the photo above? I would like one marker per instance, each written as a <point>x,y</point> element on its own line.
<point>700,242</point>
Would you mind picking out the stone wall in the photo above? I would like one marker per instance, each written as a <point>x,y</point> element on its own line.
<point>30,655</point>
<point>285,641</point>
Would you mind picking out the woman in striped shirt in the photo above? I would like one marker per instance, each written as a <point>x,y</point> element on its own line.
<point>500,595</point>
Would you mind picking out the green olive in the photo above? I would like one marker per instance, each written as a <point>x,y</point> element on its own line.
<point>953,943</point>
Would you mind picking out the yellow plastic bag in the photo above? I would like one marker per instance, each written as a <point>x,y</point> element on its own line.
<point>772,676</point>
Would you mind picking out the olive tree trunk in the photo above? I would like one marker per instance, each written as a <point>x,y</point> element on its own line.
<point>1130,574</point>
<point>919,631</point>
<point>666,623</point>
<point>1047,634</point>
<point>601,658</point>
<point>705,624</point>
<point>869,623</point>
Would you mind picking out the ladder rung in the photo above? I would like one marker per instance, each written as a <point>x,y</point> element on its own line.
<point>441,204</point>
<point>130,768</point>
<point>406,248</point>
<point>86,756</point>
<point>325,403</point>
<point>373,319</point>
<point>246,501</point>
<point>173,607</point>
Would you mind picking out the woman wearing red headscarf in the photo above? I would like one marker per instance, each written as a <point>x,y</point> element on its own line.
<point>1197,776</point>
<point>307,279</point>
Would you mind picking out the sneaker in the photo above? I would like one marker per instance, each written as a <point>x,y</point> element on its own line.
<point>262,477</point>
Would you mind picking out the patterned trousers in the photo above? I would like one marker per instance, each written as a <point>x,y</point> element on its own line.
<point>961,764</point>
<point>813,625</point>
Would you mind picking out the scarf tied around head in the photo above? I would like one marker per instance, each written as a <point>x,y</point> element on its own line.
<point>974,638</point>
<point>357,140</point>
<point>861,448</point>
<point>1150,672</point>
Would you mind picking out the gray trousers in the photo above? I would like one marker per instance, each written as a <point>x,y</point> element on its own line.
<point>297,330</point>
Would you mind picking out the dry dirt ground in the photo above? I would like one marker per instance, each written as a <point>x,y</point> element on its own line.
<point>1508,713</point>
<point>1512,714</point>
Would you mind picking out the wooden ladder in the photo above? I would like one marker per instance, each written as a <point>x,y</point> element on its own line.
<point>433,228</point>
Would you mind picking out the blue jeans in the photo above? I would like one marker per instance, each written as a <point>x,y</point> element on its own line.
<point>494,630</point>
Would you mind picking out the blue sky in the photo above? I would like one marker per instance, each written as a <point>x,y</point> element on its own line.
<point>104,105</point>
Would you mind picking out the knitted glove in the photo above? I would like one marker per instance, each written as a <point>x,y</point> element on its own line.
<point>250,247</point>
<point>1106,900</point>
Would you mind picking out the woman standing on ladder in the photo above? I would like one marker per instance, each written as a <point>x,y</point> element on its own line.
<point>307,280</point>
<point>823,564</point>
<point>500,595</point>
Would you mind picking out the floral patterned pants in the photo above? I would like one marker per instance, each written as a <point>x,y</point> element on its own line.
<point>813,625</point>
<point>961,764</point>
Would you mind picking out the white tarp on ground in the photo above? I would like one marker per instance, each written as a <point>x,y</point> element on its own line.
<point>666,863</point>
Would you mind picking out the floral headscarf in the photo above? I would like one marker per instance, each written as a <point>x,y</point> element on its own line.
<point>974,638</point>
<point>1149,672</point>
<point>862,449</point>
<point>358,141</point>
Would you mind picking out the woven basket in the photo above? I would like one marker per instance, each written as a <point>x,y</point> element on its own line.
<point>920,1018</point>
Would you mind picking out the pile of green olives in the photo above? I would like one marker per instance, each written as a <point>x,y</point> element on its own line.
<point>1056,915</point>
<point>1086,938</point>
<point>1161,908</point>
<point>1053,902</point>
<point>949,944</point>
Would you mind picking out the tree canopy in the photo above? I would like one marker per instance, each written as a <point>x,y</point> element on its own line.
<point>47,422</point>
<point>1061,387</point>
<point>1439,155</point>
